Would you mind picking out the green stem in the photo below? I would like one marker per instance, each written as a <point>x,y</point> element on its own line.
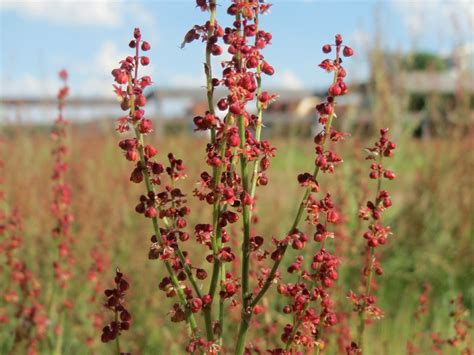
<point>246,218</point>
<point>244,326</point>
<point>117,339</point>
<point>245,186</point>
<point>216,175</point>
<point>361,327</point>
<point>59,341</point>
<point>218,267</point>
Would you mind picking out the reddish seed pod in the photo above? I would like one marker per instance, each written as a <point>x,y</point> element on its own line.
<point>258,310</point>
<point>216,50</point>
<point>387,202</point>
<point>264,97</point>
<point>222,104</point>
<point>140,100</point>
<point>252,62</point>
<point>138,115</point>
<point>150,151</point>
<point>125,104</point>
<point>348,51</point>
<point>267,68</point>
<point>144,61</point>
<point>145,126</point>
<point>232,217</point>
<point>262,180</point>
<point>145,46</point>
<point>136,176</point>
<point>232,10</point>
<point>374,175</point>
<point>140,208</point>
<point>131,155</point>
<point>125,316</point>
<point>235,108</point>
<point>327,48</point>
<point>150,212</point>
<point>388,174</point>
<point>137,33</point>
<point>233,140</point>
<point>333,216</point>
<point>335,90</point>
<point>206,299</point>
<point>201,274</point>
<point>373,243</point>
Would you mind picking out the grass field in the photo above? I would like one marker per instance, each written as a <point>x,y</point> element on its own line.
<point>431,220</point>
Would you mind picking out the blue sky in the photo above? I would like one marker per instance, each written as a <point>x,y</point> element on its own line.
<point>89,37</point>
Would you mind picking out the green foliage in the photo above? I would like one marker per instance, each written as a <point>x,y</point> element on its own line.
<point>424,61</point>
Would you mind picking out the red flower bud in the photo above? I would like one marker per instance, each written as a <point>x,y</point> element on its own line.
<point>222,104</point>
<point>347,51</point>
<point>145,126</point>
<point>146,46</point>
<point>216,50</point>
<point>150,151</point>
<point>388,174</point>
<point>150,212</point>
<point>131,155</point>
<point>140,100</point>
<point>144,61</point>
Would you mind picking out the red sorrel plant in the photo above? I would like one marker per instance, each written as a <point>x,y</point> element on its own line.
<point>376,235</point>
<point>26,318</point>
<point>22,313</point>
<point>461,339</point>
<point>61,210</point>
<point>116,303</point>
<point>167,205</point>
<point>238,159</point>
<point>100,263</point>
<point>420,311</point>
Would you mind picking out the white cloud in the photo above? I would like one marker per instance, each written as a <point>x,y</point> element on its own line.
<point>95,76</point>
<point>285,79</point>
<point>360,40</point>
<point>441,16</point>
<point>29,85</point>
<point>108,57</point>
<point>100,13</point>
<point>91,78</point>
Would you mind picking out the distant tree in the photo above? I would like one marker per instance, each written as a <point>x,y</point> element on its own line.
<point>424,61</point>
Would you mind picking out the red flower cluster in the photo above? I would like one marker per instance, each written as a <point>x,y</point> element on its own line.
<point>24,289</point>
<point>234,136</point>
<point>116,303</point>
<point>462,339</point>
<point>166,206</point>
<point>377,234</point>
<point>311,303</point>
<point>61,204</point>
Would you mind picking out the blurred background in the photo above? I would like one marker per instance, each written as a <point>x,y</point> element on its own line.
<point>413,71</point>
